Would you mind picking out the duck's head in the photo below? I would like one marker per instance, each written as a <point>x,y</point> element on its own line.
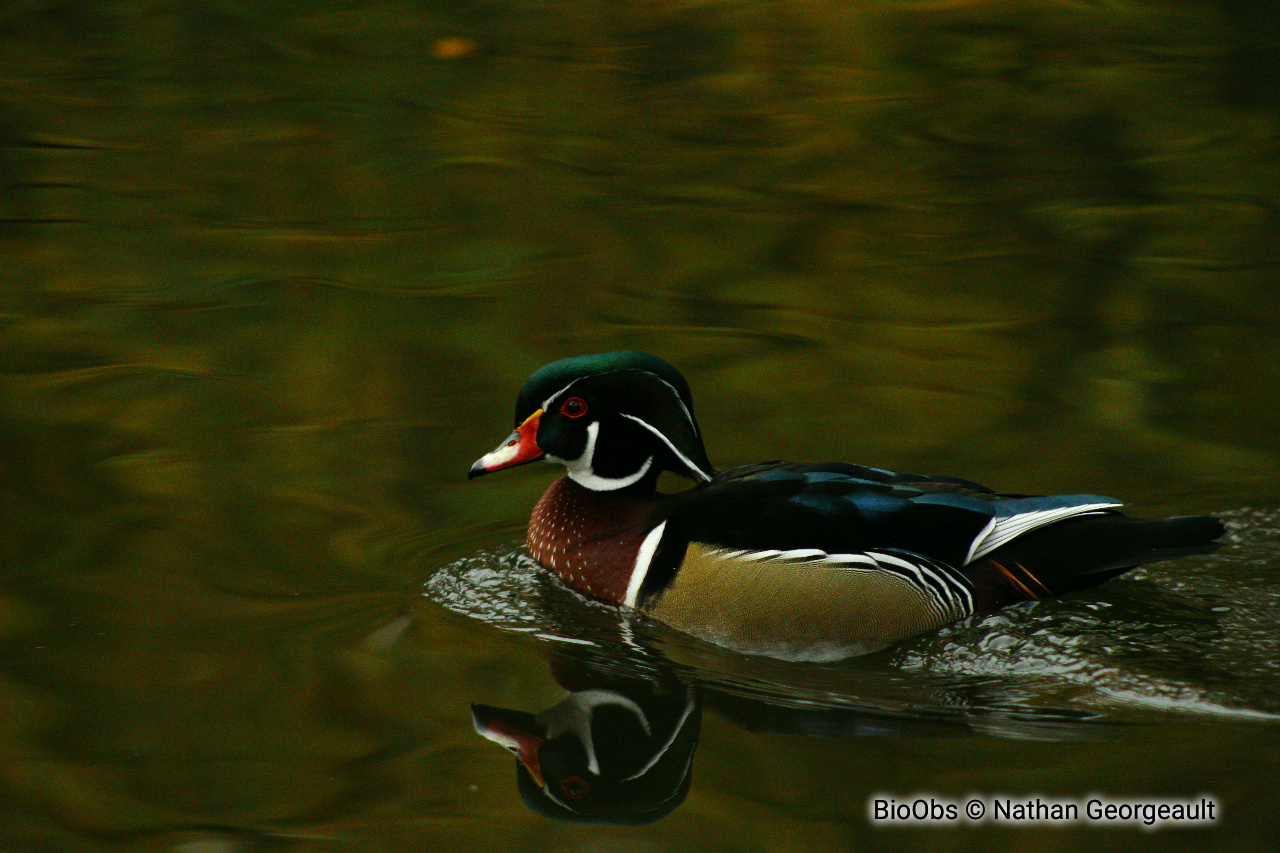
<point>612,419</point>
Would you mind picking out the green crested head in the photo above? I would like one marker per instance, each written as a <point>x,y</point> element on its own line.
<point>612,419</point>
<point>549,379</point>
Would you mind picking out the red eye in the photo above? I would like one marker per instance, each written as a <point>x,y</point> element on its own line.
<point>575,787</point>
<point>574,407</point>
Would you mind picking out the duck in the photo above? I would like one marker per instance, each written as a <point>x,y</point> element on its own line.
<point>803,561</point>
<point>606,753</point>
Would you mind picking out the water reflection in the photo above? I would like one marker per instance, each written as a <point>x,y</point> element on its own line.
<point>614,750</point>
<point>619,747</point>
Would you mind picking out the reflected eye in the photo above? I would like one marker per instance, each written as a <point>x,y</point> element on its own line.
<point>574,407</point>
<point>575,787</point>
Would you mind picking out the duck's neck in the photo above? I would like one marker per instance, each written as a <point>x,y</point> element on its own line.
<point>590,538</point>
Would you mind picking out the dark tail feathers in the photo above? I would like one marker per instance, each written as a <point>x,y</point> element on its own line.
<point>1085,551</point>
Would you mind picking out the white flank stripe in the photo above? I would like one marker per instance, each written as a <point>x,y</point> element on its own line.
<point>947,592</point>
<point>755,556</point>
<point>952,592</point>
<point>848,561</point>
<point>891,560</point>
<point>644,557</point>
<point>802,554</point>
<point>1000,531</point>
<point>799,555</point>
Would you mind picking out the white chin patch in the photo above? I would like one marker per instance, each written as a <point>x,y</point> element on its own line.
<point>581,472</point>
<point>588,478</point>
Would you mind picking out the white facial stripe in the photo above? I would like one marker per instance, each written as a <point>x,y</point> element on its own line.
<point>644,558</point>
<point>546,404</point>
<point>581,472</point>
<point>589,452</point>
<point>688,415</point>
<point>675,732</point>
<point>574,716</point>
<point>596,483</point>
<point>593,699</point>
<point>685,459</point>
<point>626,481</point>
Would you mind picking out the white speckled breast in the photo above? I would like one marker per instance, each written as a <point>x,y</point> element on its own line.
<point>590,539</point>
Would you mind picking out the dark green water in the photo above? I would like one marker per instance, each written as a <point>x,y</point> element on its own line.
<point>272,274</point>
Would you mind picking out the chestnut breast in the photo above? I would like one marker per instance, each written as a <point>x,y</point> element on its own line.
<point>590,539</point>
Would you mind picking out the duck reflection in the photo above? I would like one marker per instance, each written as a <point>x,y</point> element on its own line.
<point>606,754</point>
<point>619,747</point>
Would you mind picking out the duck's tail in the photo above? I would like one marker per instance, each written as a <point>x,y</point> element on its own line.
<point>1082,552</point>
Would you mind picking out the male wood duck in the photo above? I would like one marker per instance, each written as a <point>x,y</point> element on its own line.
<point>602,755</point>
<point>804,561</point>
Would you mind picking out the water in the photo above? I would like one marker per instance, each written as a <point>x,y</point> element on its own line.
<point>272,277</point>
